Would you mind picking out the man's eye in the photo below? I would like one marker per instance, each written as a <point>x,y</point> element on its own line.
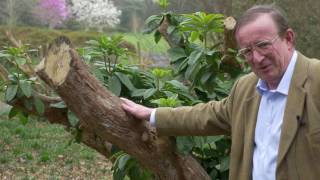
<point>263,44</point>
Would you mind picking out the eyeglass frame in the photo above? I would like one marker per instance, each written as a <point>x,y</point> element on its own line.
<point>256,47</point>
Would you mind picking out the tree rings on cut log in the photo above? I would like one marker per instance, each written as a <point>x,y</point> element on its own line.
<point>230,23</point>
<point>56,64</point>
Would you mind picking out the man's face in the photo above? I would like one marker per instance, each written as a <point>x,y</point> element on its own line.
<point>266,52</point>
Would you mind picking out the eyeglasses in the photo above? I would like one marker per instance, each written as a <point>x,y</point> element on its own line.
<point>261,47</point>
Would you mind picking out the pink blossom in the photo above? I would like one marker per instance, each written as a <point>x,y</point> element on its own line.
<point>52,12</point>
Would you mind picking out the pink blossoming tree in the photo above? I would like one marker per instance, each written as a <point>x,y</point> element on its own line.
<point>52,12</point>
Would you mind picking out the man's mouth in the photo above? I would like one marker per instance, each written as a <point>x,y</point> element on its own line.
<point>265,68</point>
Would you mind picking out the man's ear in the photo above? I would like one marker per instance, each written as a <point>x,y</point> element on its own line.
<point>290,37</point>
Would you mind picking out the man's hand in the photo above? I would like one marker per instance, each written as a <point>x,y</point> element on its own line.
<point>137,110</point>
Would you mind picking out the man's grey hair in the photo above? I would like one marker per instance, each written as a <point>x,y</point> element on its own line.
<point>253,13</point>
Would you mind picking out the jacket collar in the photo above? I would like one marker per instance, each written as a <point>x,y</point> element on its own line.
<point>294,108</point>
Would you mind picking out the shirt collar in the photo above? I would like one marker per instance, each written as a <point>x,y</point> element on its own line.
<point>284,84</point>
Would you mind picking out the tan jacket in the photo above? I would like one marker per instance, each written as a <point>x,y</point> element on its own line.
<point>299,151</point>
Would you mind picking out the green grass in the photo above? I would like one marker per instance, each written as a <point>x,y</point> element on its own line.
<point>147,43</point>
<point>41,36</point>
<point>39,150</point>
<point>135,42</point>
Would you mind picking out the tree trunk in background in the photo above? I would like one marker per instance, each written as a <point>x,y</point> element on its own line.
<point>217,6</point>
<point>12,17</point>
<point>100,112</point>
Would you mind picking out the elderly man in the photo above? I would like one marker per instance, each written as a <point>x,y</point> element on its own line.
<point>272,114</point>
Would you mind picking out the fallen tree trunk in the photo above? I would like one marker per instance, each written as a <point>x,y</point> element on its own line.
<point>100,112</point>
<point>53,114</point>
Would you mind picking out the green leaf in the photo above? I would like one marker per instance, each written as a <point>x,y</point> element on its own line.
<point>211,139</point>
<point>73,119</point>
<point>194,57</point>
<point>178,85</point>
<point>163,3</point>
<point>98,73</point>
<point>205,77</point>
<point>26,87</point>
<point>224,165</point>
<point>123,161</point>
<point>4,55</point>
<point>13,112</point>
<point>200,141</point>
<point>23,118</point>
<point>183,65</point>
<point>167,102</point>
<point>34,78</point>
<point>39,105</point>
<point>176,54</point>
<point>184,144</point>
<point>152,23</point>
<point>11,92</point>
<point>161,73</point>
<point>60,105</point>
<point>13,77</point>
<point>171,29</point>
<point>213,174</point>
<point>194,36</point>
<point>93,42</point>
<point>192,71</point>
<point>157,36</point>
<point>125,80</point>
<point>115,85</point>
<point>138,92</point>
<point>20,61</point>
<point>149,92</point>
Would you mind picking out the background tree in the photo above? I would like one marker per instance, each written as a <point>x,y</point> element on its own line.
<point>13,12</point>
<point>52,12</point>
<point>96,14</point>
<point>134,12</point>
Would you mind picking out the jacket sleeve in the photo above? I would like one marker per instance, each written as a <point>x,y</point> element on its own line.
<point>212,118</point>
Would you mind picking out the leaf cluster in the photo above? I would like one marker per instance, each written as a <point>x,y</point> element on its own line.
<point>197,60</point>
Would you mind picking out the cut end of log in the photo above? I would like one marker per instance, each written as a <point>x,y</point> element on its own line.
<point>56,63</point>
<point>230,23</point>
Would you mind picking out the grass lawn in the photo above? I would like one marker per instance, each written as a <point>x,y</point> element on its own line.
<point>147,43</point>
<point>41,36</point>
<point>135,42</point>
<point>39,150</point>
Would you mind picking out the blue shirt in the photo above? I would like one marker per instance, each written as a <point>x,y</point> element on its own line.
<point>268,126</point>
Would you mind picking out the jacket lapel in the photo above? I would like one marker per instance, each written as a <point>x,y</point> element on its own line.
<point>251,112</point>
<point>294,107</point>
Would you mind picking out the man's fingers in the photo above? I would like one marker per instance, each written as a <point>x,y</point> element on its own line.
<point>128,102</point>
<point>129,105</point>
<point>124,100</point>
<point>126,105</point>
<point>137,110</point>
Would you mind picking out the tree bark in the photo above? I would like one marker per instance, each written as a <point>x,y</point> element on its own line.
<point>100,112</point>
<point>230,43</point>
